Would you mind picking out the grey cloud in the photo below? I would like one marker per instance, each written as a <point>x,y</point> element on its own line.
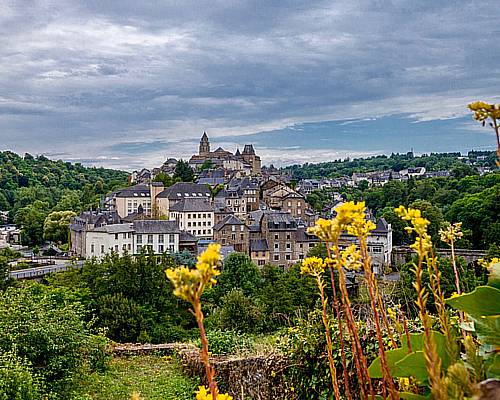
<point>96,76</point>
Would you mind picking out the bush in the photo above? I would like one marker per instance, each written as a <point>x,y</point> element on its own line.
<point>47,328</point>
<point>227,342</point>
<point>237,312</point>
<point>16,379</point>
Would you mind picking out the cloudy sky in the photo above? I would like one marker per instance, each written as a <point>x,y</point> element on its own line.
<point>129,83</point>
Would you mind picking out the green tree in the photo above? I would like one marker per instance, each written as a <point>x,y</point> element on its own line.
<point>207,164</point>
<point>433,214</point>
<point>4,272</point>
<point>237,312</point>
<point>167,180</point>
<point>240,272</point>
<point>56,226</point>
<point>183,172</point>
<point>31,219</point>
<point>70,201</point>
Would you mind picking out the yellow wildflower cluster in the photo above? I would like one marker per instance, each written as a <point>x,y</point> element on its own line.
<point>327,230</point>
<point>423,242</point>
<point>451,233</point>
<point>484,110</point>
<point>351,258</point>
<point>204,394</point>
<point>189,284</point>
<point>488,264</point>
<point>351,216</point>
<point>313,266</point>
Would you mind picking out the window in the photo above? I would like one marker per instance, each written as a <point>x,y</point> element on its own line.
<point>160,248</point>
<point>189,215</point>
<point>299,211</point>
<point>102,248</point>
<point>139,239</point>
<point>171,248</point>
<point>276,236</point>
<point>116,236</point>
<point>288,256</point>
<point>242,237</point>
<point>288,246</point>
<point>139,248</point>
<point>288,236</point>
<point>92,248</point>
<point>276,246</point>
<point>160,238</point>
<point>129,247</point>
<point>189,224</point>
<point>233,227</point>
<point>204,215</point>
<point>242,228</point>
<point>124,235</point>
<point>262,262</point>
<point>289,204</point>
<point>150,239</point>
<point>377,250</point>
<point>276,257</point>
<point>124,247</point>
<point>129,235</point>
<point>171,238</point>
<point>233,236</point>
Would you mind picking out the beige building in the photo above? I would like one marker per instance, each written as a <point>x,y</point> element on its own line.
<point>287,200</point>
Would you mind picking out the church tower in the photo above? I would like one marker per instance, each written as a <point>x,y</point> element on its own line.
<point>204,148</point>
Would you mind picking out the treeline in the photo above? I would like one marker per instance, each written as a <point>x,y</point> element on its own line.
<point>473,200</point>
<point>396,162</point>
<point>33,187</point>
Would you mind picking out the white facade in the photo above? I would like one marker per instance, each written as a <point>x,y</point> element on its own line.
<point>198,223</point>
<point>108,238</point>
<point>127,238</point>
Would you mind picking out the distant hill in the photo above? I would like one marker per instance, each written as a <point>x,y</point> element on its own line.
<point>397,162</point>
<point>24,179</point>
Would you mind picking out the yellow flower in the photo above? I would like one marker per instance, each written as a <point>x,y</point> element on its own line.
<point>313,266</point>
<point>350,258</point>
<point>451,233</point>
<point>423,242</point>
<point>327,230</point>
<point>204,394</point>
<point>189,284</point>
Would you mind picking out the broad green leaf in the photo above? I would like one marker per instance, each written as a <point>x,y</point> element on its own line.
<point>413,365</point>
<point>493,367</point>
<point>483,301</point>
<point>392,356</point>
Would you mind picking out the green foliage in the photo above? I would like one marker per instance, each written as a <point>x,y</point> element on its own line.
<point>305,347</point>
<point>167,180</point>
<point>133,298</point>
<point>207,164</point>
<point>237,312</point>
<point>224,342</point>
<point>183,172</point>
<point>468,279</point>
<point>17,380</point>
<point>46,327</point>
<point>32,218</point>
<point>154,377</point>
<point>238,271</point>
<point>32,187</point>
<point>56,226</point>
<point>4,272</point>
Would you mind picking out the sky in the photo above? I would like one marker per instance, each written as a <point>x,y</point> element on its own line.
<point>127,84</point>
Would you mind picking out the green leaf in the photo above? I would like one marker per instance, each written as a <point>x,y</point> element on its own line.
<point>413,365</point>
<point>483,301</point>
<point>392,356</point>
<point>493,367</point>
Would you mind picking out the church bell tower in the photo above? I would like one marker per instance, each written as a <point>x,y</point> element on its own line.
<point>204,148</point>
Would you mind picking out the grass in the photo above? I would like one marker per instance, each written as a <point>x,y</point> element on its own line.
<point>153,377</point>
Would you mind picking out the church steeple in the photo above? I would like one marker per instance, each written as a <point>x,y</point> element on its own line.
<point>204,148</point>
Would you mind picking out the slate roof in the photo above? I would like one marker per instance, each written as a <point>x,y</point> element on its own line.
<point>382,226</point>
<point>185,190</point>
<point>228,220</point>
<point>192,205</point>
<point>187,237</point>
<point>139,190</point>
<point>155,226</point>
<point>280,221</point>
<point>303,236</point>
<point>259,245</point>
<point>116,228</point>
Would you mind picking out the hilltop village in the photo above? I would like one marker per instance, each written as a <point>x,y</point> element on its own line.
<point>234,201</point>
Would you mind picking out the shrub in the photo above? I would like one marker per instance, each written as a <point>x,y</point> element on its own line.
<point>227,342</point>
<point>16,379</point>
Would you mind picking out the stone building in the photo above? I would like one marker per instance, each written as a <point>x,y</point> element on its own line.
<point>194,215</point>
<point>233,232</point>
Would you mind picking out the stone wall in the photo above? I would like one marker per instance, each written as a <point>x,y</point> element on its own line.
<point>257,377</point>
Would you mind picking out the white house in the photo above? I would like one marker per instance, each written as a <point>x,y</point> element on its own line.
<point>195,216</point>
